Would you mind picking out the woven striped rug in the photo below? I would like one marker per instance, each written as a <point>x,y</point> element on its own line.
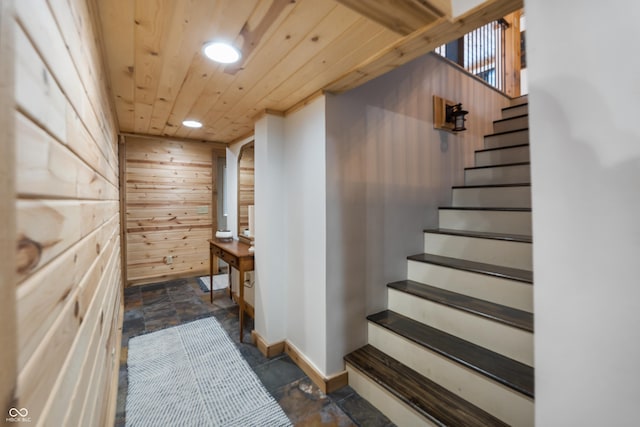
<point>193,375</point>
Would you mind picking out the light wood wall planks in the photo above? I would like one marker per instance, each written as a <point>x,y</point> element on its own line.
<point>246,185</point>
<point>169,207</point>
<point>68,266</point>
<point>8,350</point>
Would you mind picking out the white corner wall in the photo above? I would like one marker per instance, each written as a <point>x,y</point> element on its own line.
<point>305,186</point>
<point>585,149</point>
<point>290,226</point>
<point>271,230</point>
<point>388,171</point>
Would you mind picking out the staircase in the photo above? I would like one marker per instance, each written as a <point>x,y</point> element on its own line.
<point>455,346</point>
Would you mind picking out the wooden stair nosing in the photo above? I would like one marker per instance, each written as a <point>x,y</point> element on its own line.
<point>426,397</point>
<point>522,238</point>
<point>522,184</point>
<point>508,372</point>
<point>479,208</point>
<point>505,132</point>
<point>511,118</point>
<point>501,165</point>
<point>496,312</point>
<point>519,275</point>
<point>505,147</point>
<point>514,106</point>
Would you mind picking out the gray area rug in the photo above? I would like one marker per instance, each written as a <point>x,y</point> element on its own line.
<point>220,281</point>
<point>193,375</point>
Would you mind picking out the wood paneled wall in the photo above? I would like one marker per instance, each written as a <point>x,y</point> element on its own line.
<point>246,185</point>
<point>68,268</point>
<point>170,207</point>
<point>8,359</point>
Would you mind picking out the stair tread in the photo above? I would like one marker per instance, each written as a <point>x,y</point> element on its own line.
<point>463,208</point>
<point>504,147</point>
<point>500,313</point>
<point>508,372</point>
<point>506,132</point>
<point>501,165</point>
<point>475,267</point>
<point>515,106</point>
<point>418,392</point>
<point>511,118</point>
<point>481,234</point>
<point>523,184</point>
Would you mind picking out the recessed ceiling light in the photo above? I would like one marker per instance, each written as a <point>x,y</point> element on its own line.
<point>192,124</point>
<point>221,52</point>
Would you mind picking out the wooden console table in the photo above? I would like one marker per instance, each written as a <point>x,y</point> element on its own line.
<point>237,255</point>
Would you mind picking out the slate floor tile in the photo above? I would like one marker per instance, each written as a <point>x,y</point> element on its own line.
<point>363,413</point>
<point>278,372</point>
<point>158,306</point>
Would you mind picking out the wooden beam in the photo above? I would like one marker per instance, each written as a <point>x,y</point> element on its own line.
<point>216,144</point>
<point>421,42</point>
<point>8,341</point>
<point>402,16</point>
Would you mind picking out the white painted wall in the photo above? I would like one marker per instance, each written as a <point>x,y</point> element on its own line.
<point>305,208</point>
<point>271,251</point>
<point>388,170</point>
<point>585,150</point>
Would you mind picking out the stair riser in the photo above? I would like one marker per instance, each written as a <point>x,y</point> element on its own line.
<point>491,251</point>
<point>498,400</point>
<point>524,99</point>
<point>506,139</point>
<point>489,197</point>
<point>507,222</point>
<point>513,112</point>
<point>514,123</point>
<point>506,340</point>
<point>518,174</point>
<point>502,156</point>
<point>507,292</point>
<point>385,402</point>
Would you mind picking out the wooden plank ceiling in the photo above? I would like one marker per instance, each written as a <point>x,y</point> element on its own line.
<point>291,50</point>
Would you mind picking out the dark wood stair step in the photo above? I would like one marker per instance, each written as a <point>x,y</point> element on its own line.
<point>424,396</point>
<point>514,106</point>
<point>506,147</point>
<point>501,165</point>
<point>508,372</point>
<point>475,267</point>
<point>506,132</point>
<point>463,208</point>
<point>481,234</point>
<point>524,184</point>
<point>499,313</point>
<point>511,118</point>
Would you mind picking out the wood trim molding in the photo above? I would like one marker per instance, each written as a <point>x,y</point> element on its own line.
<point>167,277</point>
<point>306,101</point>
<point>110,414</point>
<point>267,350</point>
<point>217,144</point>
<point>326,384</point>
<point>122,167</point>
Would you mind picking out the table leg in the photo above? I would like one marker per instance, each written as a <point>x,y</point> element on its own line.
<point>241,300</point>
<point>211,264</point>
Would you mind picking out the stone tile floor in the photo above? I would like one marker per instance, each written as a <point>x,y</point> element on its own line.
<point>153,307</point>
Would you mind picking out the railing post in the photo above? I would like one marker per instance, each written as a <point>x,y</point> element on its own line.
<point>512,55</point>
